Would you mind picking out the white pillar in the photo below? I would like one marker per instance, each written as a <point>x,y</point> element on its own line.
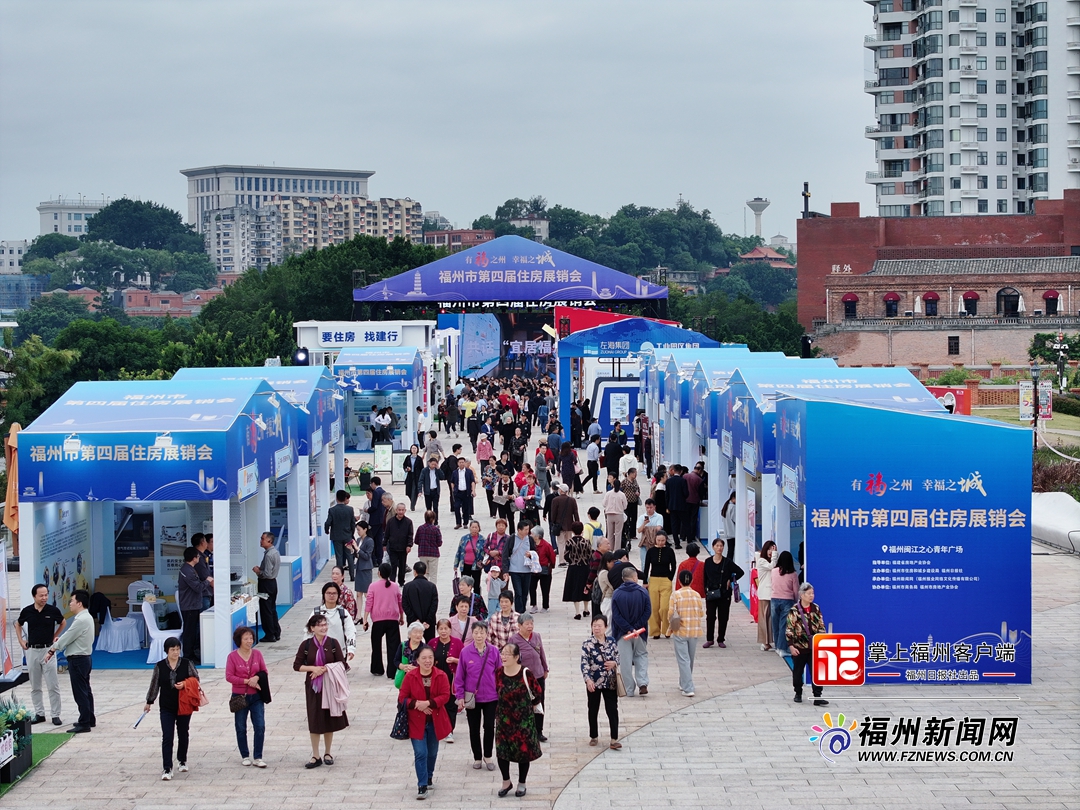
<point>716,467</point>
<point>339,463</point>
<point>741,480</point>
<point>222,592</point>
<point>297,516</point>
<point>322,490</point>
<point>687,452</point>
<point>783,522</point>
<point>412,400</point>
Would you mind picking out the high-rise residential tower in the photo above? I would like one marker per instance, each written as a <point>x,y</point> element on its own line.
<point>977,105</point>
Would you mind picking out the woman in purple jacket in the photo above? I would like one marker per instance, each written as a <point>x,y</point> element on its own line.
<point>474,687</point>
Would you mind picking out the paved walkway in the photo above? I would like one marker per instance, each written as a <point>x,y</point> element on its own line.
<point>741,741</point>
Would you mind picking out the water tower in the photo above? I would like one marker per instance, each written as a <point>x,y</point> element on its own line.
<point>757,205</point>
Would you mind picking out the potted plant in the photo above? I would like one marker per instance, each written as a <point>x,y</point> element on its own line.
<point>15,717</point>
<point>363,475</point>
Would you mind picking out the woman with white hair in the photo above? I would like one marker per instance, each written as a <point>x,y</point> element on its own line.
<point>408,650</point>
<point>804,621</point>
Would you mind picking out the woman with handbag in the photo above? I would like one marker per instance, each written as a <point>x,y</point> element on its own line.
<point>474,688</point>
<point>546,554</point>
<point>425,691</point>
<point>168,680</point>
<point>470,552</point>
<point>720,571</point>
<point>407,652</point>
<point>599,668</point>
<point>363,561</point>
<point>516,736</point>
<point>312,657</point>
<point>242,669</point>
<point>686,618</point>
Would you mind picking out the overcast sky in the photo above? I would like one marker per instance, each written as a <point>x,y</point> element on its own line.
<point>459,104</point>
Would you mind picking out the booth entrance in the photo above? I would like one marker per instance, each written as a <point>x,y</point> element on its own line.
<point>116,476</point>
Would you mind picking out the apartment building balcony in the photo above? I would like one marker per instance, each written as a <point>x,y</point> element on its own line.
<point>969,122</point>
<point>968,146</point>
<point>1074,94</point>
<point>968,97</point>
<point>1072,45</point>
<point>969,3</point>
<point>1073,119</point>
<point>969,50</point>
<point>969,193</point>
<point>969,170</point>
<point>968,72</point>
<point>883,131</point>
<point>1073,70</point>
<point>969,25</point>
<point>1073,143</point>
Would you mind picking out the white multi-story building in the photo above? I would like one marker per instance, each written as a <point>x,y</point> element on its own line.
<point>212,188</point>
<point>68,216</point>
<point>11,254</point>
<point>242,237</point>
<point>977,105</point>
<point>315,223</point>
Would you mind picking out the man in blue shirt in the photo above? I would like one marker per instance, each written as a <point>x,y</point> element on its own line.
<point>630,612</point>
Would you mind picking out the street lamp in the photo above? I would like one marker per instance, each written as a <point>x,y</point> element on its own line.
<point>1035,369</point>
<point>1062,349</point>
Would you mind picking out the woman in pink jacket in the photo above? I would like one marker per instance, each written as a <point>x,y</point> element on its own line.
<point>242,669</point>
<point>382,608</point>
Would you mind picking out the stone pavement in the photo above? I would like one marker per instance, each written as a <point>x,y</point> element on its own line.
<point>740,742</point>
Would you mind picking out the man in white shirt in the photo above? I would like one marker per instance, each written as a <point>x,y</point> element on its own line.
<point>78,643</point>
<point>648,524</point>
<point>421,426</point>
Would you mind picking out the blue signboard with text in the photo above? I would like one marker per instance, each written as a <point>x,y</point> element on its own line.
<point>923,547</point>
<point>154,440</point>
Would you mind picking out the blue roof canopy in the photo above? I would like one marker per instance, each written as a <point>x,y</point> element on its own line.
<point>511,268</point>
<point>625,337</point>
<point>379,369</point>
<point>757,388</point>
<point>156,440</point>
<point>309,386</point>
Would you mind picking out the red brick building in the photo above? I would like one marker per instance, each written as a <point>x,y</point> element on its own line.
<point>768,256</point>
<point>165,302</point>
<point>846,244</point>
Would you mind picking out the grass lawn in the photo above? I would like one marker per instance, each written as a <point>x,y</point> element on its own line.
<point>44,745</point>
<point>1010,415</point>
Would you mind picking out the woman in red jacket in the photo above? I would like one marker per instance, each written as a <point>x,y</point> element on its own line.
<point>426,690</point>
<point>546,553</point>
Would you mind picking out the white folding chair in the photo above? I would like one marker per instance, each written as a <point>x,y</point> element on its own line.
<point>156,637</point>
<point>118,635</point>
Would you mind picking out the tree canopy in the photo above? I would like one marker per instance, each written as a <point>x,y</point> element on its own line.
<point>136,224</point>
<point>50,245</point>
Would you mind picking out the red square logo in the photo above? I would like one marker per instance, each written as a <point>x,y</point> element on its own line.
<point>838,659</point>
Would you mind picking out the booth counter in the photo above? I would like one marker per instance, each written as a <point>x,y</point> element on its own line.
<point>115,477</point>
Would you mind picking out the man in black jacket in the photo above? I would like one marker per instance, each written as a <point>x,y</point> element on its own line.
<point>340,525</point>
<point>448,467</point>
<point>613,453</point>
<point>420,600</point>
<point>677,493</point>
<point>429,485</point>
<point>399,542</point>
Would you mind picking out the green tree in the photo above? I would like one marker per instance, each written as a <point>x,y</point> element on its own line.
<point>484,223</point>
<point>37,376</point>
<point>769,286</point>
<point>192,271</point>
<point>49,246</point>
<point>515,208</point>
<point>136,224</point>
<point>48,316</point>
<point>106,346</point>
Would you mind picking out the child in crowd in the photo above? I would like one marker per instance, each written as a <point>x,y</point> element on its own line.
<point>497,582</point>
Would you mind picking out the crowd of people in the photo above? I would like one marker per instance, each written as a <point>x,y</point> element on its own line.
<point>479,652</point>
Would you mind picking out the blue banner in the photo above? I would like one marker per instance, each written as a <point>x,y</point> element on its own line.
<point>926,554</point>
<point>379,369</point>
<point>511,270</point>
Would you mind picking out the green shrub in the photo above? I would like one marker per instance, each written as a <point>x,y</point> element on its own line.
<point>1066,404</point>
<point>954,376</point>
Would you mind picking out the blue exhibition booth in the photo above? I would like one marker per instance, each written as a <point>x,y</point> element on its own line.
<point>615,398</point>
<point>918,533</point>
<point>115,477</point>
<point>297,501</point>
<point>379,378</point>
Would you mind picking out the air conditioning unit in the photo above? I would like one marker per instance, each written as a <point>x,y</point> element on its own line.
<point>1038,312</point>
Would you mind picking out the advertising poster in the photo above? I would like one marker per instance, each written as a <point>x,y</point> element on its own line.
<point>927,556</point>
<point>172,537</point>
<point>62,534</point>
<point>620,408</point>
<point>751,519</point>
<point>313,524</point>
